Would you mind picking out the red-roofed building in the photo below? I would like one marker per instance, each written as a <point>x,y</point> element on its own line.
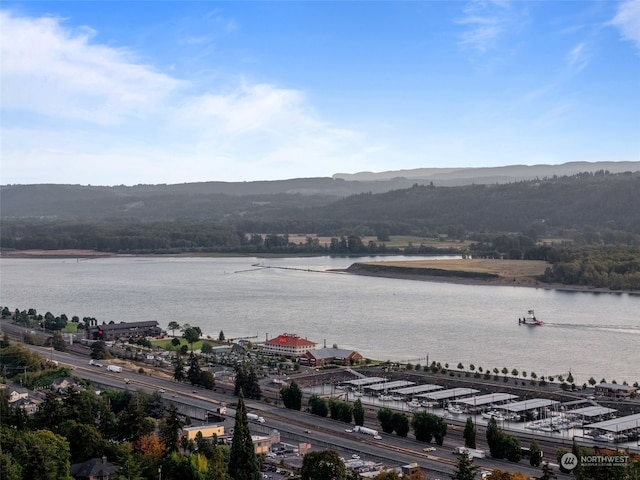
<point>289,345</point>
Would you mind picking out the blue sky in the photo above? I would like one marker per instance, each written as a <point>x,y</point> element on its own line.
<point>110,93</point>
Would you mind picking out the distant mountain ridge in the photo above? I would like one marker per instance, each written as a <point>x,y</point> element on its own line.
<point>285,199</point>
<point>487,175</point>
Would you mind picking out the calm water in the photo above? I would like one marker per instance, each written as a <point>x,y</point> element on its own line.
<point>587,333</point>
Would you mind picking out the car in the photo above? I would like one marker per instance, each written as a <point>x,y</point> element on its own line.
<point>355,456</point>
<point>161,390</point>
<point>377,437</point>
<point>348,430</point>
<point>429,449</point>
<point>307,431</point>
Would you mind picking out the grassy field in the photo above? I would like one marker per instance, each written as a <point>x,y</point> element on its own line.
<point>165,343</point>
<point>509,271</point>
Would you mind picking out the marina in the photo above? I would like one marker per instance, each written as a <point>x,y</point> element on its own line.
<point>583,420</point>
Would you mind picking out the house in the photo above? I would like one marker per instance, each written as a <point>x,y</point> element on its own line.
<point>288,345</point>
<point>29,405</point>
<point>114,331</point>
<point>613,390</point>
<point>94,469</point>
<point>63,384</point>
<point>325,356</point>
<point>15,396</point>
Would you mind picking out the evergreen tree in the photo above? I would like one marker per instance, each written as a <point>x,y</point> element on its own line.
<point>247,383</point>
<point>291,396</point>
<point>358,413</point>
<point>243,464</point>
<point>170,428</point>
<point>535,454</point>
<point>400,424</point>
<point>194,370</point>
<point>178,369</point>
<point>385,417</point>
<point>469,434</point>
<point>465,469</point>
<point>318,406</point>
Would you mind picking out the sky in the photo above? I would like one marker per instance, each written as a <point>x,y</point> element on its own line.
<point>149,92</point>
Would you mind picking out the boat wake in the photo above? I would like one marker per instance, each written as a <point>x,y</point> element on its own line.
<point>632,329</point>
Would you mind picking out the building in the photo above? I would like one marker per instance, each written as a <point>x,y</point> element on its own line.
<point>114,331</point>
<point>94,469</point>
<point>325,356</point>
<point>288,345</point>
<point>208,431</point>
<point>613,390</point>
<point>14,396</point>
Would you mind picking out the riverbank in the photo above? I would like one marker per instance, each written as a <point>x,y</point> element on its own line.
<point>487,272</point>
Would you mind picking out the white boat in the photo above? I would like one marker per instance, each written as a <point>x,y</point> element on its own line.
<point>604,437</point>
<point>455,410</point>
<point>530,319</point>
<point>493,414</point>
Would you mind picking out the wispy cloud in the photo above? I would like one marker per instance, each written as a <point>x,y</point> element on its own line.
<point>485,22</point>
<point>57,72</point>
<point>77,107</point>
<point>627,20</point>
<point>578,58</point>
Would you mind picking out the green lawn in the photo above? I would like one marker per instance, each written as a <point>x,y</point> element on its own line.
<point>165,343</point>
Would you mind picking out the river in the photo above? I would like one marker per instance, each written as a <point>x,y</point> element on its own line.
<point>585,333</point>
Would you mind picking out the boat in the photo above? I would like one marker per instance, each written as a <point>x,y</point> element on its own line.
<point>455,410</point>
<point>414,404</point>
<point>530,319</point>
<point>493,414</point>
<point>604,437</point>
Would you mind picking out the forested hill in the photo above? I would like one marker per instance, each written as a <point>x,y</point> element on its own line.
<point>591,201</point>
<point>596,201</point>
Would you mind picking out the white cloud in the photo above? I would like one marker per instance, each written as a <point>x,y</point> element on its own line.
<point>77,111</point>
<point>627,20</point>
<point>57,72</point>
<point>578,58</point>
<point>486,22</point>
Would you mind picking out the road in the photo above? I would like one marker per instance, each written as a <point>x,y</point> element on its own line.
<point>294,426</point>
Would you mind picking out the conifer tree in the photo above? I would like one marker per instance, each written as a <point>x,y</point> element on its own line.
<point>465,470</point>
<point>469,434</point>
<point>243,463</point>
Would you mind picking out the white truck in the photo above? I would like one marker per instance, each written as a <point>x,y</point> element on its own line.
<point>255,418</point>
<point>365,430</point>
<point>114,368</point>
<point>471,452</point>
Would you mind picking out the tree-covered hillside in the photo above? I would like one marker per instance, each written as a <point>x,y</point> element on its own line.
<point>586,201</point>
<point>588,209</point>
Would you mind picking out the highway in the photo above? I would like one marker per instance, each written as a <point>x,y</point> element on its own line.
<point>294,426</point>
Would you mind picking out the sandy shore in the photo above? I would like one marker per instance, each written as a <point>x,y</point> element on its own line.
<point>476,271</point>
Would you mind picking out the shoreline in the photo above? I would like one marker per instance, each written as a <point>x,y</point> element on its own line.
<point>496,282</point>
